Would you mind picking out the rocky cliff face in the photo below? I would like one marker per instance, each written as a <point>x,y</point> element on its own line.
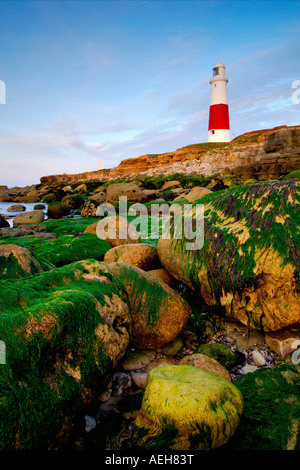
<point>264,154</point>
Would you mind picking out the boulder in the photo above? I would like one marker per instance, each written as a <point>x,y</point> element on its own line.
<point>196,193</point>
<point>31,196</point>
<point>160,362</point>
<point>132,191</point>
<point>65,330</point>
<point>73,201</point>
<point>173,348</point>
<point>17,262</point>
<point>142,255</point>
<point>56,210</point>
<point>67,189</point>
<point>116,230</point>
<point>99,197</point>
<point>68,248</point>
<point>186,408</point>
<point>150,194</point>
<point>206,363</point>
<point>270,419</point>
<point>219,352</point>
<point>163,275</point>
<point>89,208</point>
<point>283,341</point>
<point>30,217</point>
<point>158,312</point>
<point>170,184</point>
<point>248,265</point>
<point>81,188</point>
<point>16,208</point>
<point>136,360</point>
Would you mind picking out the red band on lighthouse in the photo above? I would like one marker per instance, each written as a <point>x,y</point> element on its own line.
<point>218,117</point>
<point>218,123</point>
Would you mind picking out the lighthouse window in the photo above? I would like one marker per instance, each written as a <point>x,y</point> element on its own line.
<point>216,71</point>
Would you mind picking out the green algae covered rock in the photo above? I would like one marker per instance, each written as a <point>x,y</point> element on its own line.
<point>248,267</point>
<point>57,209</point>
<point>63,250</point>
<point>220,352</point>
<point>271,417</point>
<point>64,331</point>
<point>186,408</point>
<point>17,262</point>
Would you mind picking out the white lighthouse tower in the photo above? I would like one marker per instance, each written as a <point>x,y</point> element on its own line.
<point>218,123</point>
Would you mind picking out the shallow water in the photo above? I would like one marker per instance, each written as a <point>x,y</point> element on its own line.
<point>5,205</point>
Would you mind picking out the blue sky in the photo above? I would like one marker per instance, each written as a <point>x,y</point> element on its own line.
<point>94,80</point>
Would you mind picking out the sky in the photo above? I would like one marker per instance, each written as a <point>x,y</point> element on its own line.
<point>89,80</point>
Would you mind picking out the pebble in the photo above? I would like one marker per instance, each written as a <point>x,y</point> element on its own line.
<point>121,382</point>
<point>248,368</point>
<point>139,378</point>
<point>90,423</point>
<point>258,359</point>
<point>269,358</point>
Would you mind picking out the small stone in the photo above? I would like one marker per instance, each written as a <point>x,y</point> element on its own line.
<point>139,378</point>
<point>121,382</point>
<point>90,423</point>
<point>258,359</point>
<point>162,361</point>
<point>135,361</point>
<point>248,368</point>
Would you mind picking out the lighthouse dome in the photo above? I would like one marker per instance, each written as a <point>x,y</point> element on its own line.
<point>219,64</point>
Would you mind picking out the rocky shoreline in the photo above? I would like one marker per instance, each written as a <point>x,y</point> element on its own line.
<point>123,344</point>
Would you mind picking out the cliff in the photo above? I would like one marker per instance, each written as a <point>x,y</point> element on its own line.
<point>263,154</point>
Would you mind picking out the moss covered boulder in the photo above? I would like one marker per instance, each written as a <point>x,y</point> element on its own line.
<point>74,201</point>
<point>271,417</point>
<point>17,262</point>
<point>186,408</point>
<point>158,312</point>
<point>142,255</point>
<point>248,267</point>
<point>63,250</point>
<point>56,210</point>
<point>64,330</point>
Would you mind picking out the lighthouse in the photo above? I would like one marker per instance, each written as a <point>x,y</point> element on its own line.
<point>218,123</point>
